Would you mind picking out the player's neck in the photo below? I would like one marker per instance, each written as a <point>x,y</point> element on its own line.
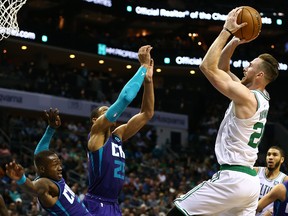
<point>271,174</point>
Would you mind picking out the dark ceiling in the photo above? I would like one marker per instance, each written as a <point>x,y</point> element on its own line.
<point>77,26</point>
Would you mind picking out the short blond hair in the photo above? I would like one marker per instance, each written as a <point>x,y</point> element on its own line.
<point>270,66</point>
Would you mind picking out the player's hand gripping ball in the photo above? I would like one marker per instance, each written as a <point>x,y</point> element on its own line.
<point>254,23</point>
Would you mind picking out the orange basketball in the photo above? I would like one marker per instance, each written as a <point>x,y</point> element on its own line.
<point>254,23</point>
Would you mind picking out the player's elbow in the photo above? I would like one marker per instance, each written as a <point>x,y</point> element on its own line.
<point>204,67</point>
<point>149,114</point>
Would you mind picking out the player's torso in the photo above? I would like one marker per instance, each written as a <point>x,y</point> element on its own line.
<point>107,169</point>
<point>68,203</point>
<point>238,139</point>
<point>267,184</point>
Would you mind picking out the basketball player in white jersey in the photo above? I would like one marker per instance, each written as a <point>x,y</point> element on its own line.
<point>234,190</point>
<point>271,175</point>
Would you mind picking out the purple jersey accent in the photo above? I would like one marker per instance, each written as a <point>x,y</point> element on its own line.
<point>279,208</point>
<point>68,204</point>
<point>106,168</point>
<point>100,206</point>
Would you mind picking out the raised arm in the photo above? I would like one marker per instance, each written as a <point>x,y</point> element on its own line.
<point>54,122</point>
<point>126,131</point>
<point>127,94</point>
<point>132,87</point>
<point>225,57</point>
<point>242,97</point>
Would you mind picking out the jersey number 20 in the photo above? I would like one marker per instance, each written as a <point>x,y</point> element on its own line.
<point>255,137</point>
<point>119,171</point>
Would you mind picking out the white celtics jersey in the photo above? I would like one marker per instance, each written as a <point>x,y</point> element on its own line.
<point>267,184</point>
<point>238,139</point>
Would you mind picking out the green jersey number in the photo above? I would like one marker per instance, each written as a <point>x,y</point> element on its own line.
<point>256,135</point>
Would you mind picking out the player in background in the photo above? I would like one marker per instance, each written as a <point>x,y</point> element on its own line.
<point>278,195</point>
<point>234,190</point>
<point>54,195</point>
<point>271,175</point>
<point>106,158</point>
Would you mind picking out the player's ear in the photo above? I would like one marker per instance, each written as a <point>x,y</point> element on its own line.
<point>260,74</point>
<point>282,159</point>
<point>41,169</point>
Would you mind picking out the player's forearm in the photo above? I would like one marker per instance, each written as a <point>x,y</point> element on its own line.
<point>148,99</point>
<point>27,185</point>
<point>263,202</point>
<point>210,62</point>
<point>226,54</point>
<point>127,95</point>
<point>45,140</point>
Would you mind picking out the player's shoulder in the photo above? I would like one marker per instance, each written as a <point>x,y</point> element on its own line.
<point>43,185</point>
<point>258,168</point>
<point>285,178</point>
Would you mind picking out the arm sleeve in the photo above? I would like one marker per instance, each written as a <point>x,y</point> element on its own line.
<point>126,96</point>
<point>44,143</point>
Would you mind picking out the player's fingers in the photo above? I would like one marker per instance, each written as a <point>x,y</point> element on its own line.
<point>152,62</point>
<point>142,48</point>
<point>149,48</point>
<point>146,48</point>
<point>243,24</point>
<point>237,12</point>
<point>56,111</point>
<point>12,164</point>
<point>46,114</point>
<point>58,120</point>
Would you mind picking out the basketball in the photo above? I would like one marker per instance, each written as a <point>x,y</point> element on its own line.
<point>254,23</point>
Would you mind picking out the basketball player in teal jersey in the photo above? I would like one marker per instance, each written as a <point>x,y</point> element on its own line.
<point>271,175</point>
<point>234,190</point>
<point>106,158</point>
<point>103,118</point>
<point>54,195</point>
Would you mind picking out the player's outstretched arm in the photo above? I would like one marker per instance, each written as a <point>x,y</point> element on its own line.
<point>127,94</point>
<point>130,90</point>
<point>54,122</point>
<point>210,64</point>
<point>16,172</point>
<point>147,109</point>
